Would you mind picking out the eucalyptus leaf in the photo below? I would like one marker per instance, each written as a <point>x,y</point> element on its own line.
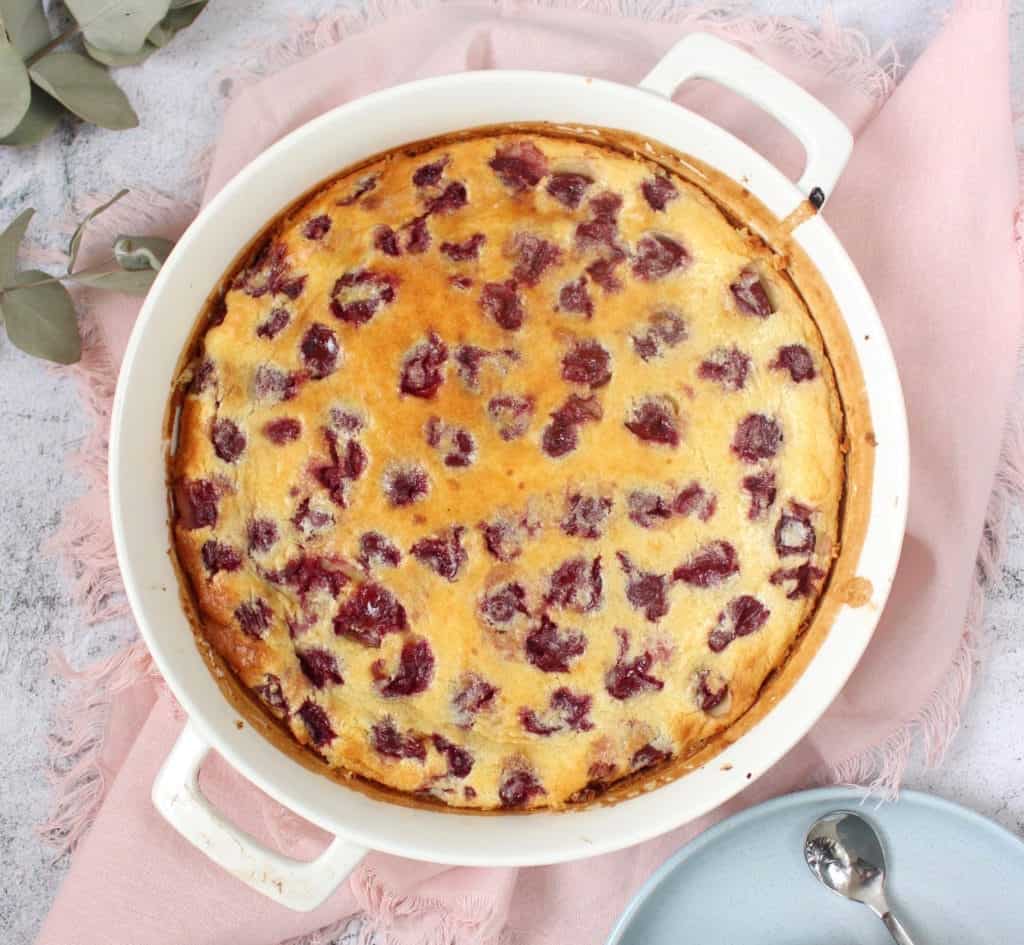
<point>26,24</point>
<point>41,319</point>
<point>76,237</point>
<point>40,119</point>
<point>10,241</point>
<point>117,26</point>
<point>120,59</point>
<point>176,20</point>
<point>15,91</point>
<point>181,4</point>
<point>131,283</point>
<point>85,88</point>
<point>138,253</point>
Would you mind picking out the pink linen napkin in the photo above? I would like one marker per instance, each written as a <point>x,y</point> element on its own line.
<point>928,216</point>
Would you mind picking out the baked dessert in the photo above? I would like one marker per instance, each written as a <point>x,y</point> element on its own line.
<point>506,469</point>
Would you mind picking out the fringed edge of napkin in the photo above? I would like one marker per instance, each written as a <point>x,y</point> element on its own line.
<point>839,51</point>
<point>85,543</point>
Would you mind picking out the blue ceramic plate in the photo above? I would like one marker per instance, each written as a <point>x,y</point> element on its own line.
<point>954,878</point>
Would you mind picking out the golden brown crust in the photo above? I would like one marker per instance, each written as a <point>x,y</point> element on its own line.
<point>645,688</point>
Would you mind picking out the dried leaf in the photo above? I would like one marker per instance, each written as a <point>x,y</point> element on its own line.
<point>76,237</point>
<point>117,280</point>
<point>41,319</point>
<point>84,88</point>
<point>40,119</point>
<point>177,19</point>
<point>10,240</point>
<point>137,253</point>
<point>115,60</point>
<point>26,24</point>
<point>118,26</point>
<point>15,91</point>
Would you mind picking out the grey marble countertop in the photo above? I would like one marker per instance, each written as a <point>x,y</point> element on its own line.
<point>177,91</point>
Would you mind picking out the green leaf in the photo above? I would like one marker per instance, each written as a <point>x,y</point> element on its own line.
<point>10,240</point>
<point>137,253</point>
<point>41,319</point>
<point>40,119</point>
<point>120,59</point>
<point>84,88</point>
<point>176,20</point>
<point>131,283</point>
<point>26,24</point>
<point>15,91</point>
<point>76,237</point>
<point>118,26</point>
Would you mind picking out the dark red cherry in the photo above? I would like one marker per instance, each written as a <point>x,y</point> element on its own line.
<point>218,556</point>
<point>519,165</point>
<point>757,437</point>
<point>501,301</point>
<point>628,678</point>
<point>585,515</point>
<point>518,787</point>
<point>423,368</point>
<point>319,350</point>
<point>359,294</point>
<point>797,360</point>
<point>474,695</point>
<point>370,613</point>
<point>374,548</point>
<point>709,566</point>
<point>533,257</point>
<point>647,509</point>
<point>742,616</point>
<point>317,723</point>
<point>442,553</point>
<point>750,295</point>
<point>460,761</point>
<point>414,674</point>
<point>282,430</point>
<point>794,533</point>
<point>500,606</point>
<point>404,485</point>
<point>391,743</point>
<point>276,322</point>
<point>272,694</point>
<point>568,188</point>
<point>320,667</point>
<point>657,256</point>
<point>254,617</point>
<point>262,534</point>
<point>228,440</point>
<point>655,420</point>
<point>761,489</point>
<point>728,367</point>
<point>645,590</point>
<point>575,585</point>
<point>427,175</point>
<point>658,191</point>
<point>587,362</point>
<point>317,227</point>
<point>468,249</point>
<point>574,297</point>
<point>694,499</point>
<point>552,650</point>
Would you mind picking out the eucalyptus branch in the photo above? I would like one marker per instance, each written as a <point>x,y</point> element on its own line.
<point>70,33</point>
<point>66,277</point>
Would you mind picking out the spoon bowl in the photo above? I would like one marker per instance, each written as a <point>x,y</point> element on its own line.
<point>844,852</point>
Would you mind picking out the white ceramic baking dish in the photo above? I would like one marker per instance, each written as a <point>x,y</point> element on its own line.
<point>317,151</point>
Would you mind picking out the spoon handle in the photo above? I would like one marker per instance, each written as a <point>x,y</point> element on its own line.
<point>898,933</point>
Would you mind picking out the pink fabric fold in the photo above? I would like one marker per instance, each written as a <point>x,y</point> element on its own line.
<point>926,209</point>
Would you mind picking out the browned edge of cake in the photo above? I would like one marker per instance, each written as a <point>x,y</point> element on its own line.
<point>843,587</point>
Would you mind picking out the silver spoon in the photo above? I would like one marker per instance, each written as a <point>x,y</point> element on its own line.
<point>844,852</point>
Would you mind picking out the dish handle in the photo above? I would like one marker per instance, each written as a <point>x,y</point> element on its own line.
<point>291,883</point>
<point>825,138</point>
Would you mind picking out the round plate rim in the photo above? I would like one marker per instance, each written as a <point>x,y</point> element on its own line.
<point>839,795</point>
